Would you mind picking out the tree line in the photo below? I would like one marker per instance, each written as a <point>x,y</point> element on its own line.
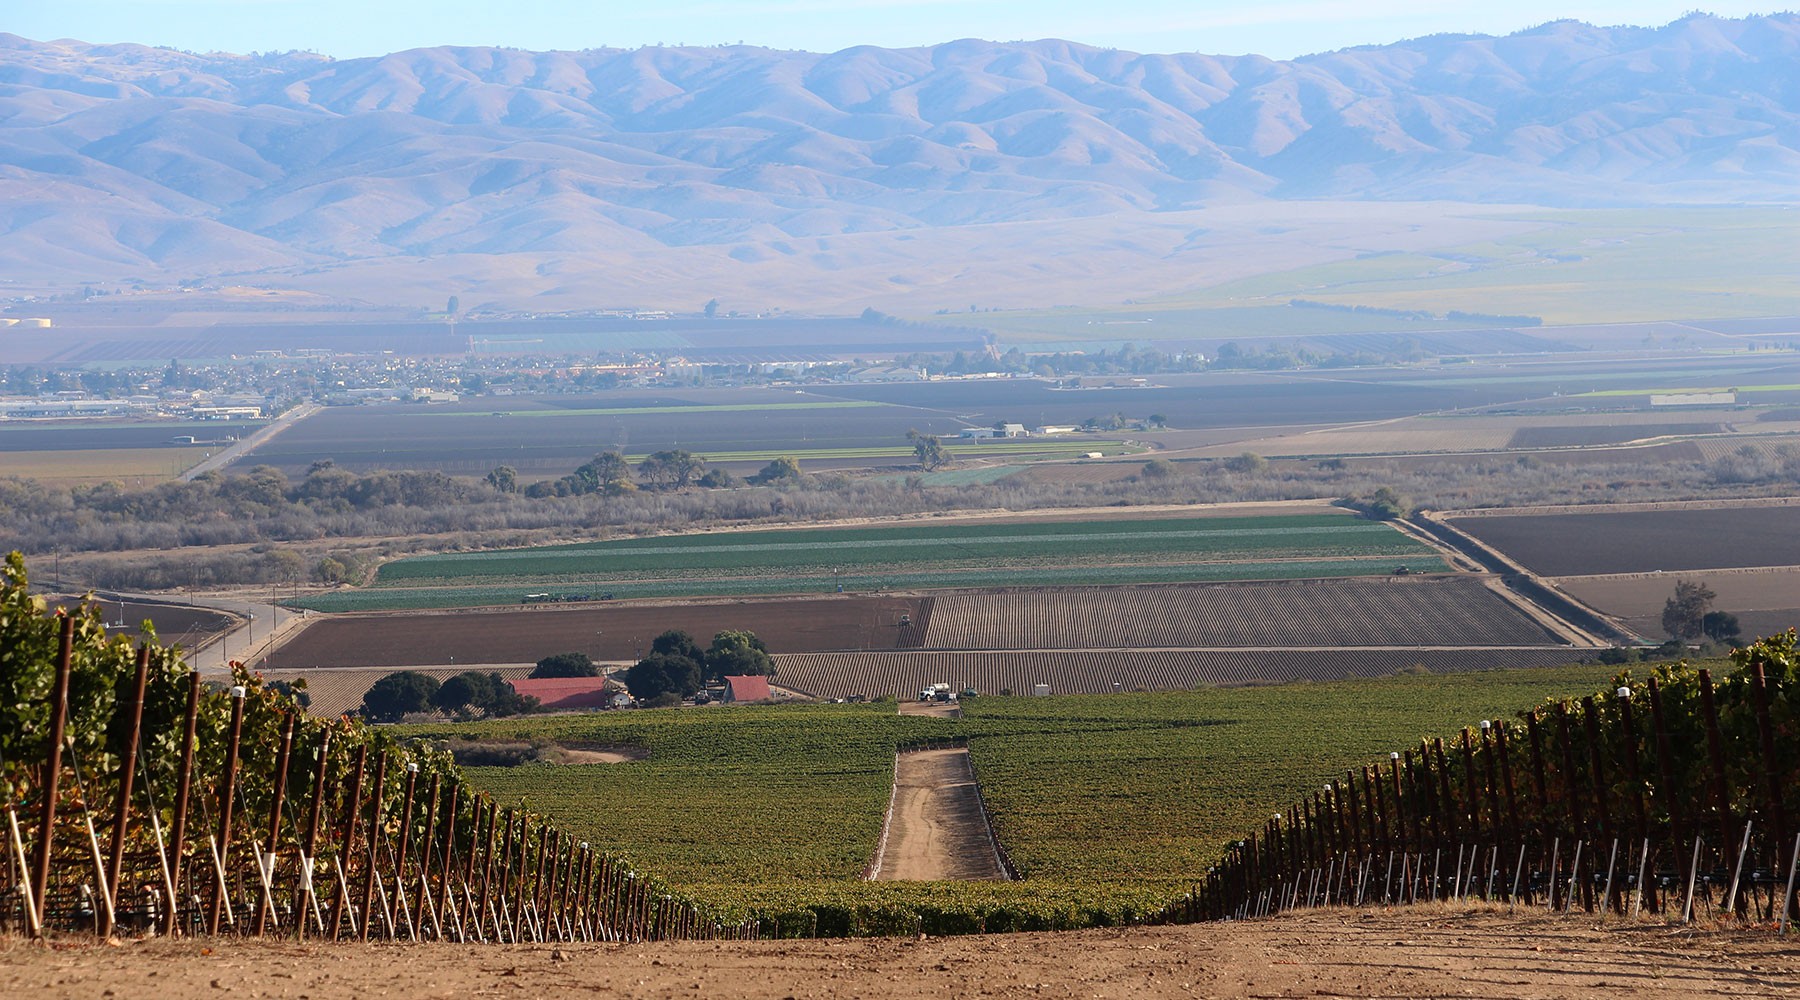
<point>676,668</point>
<point>330,525</point>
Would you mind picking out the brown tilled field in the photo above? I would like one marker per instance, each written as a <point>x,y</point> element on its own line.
<point>904,674</point>
<point>1765,600</point>
<point>1644,541</point>
<point>188,625</point>
<point>603,631</point>
<point>1588,435</point>
<point>1399,611</point>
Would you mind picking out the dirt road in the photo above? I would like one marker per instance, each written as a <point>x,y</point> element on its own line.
<point>1415,952</point>
<point>937,829</point>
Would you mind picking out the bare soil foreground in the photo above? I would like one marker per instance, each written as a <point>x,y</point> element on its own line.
<point>937,829</point>
<point>1415,952</point>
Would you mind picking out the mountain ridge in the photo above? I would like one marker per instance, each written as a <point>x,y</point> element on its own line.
<point>128,160</point>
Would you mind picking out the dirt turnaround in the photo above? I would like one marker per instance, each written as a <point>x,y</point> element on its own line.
<point>1422,951</point>
<point>936,828</point>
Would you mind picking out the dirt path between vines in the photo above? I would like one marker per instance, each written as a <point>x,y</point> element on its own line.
<point>937,828</point>
<point>1414,952</point>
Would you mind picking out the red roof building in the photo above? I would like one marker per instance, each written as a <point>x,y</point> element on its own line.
<point>560,693</point>
<point>742,689</point>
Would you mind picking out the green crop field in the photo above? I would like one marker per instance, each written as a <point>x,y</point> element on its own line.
<point>1108,804</point>
<point>995,553</point>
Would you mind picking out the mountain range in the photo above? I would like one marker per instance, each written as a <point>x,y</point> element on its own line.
<point>584,178</point>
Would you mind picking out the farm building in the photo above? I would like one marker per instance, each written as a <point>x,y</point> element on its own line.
<point>1002,431</point>
<point>565,692</point>
<point>747,689</point>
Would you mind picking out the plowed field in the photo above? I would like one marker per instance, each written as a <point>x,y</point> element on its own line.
<point>1644,541</point>
<point>1405,611</point>
<point>605,632</point>
<point>840,675</point>
<point>1765,600</point>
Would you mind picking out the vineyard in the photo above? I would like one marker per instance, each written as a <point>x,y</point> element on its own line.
<point>141,800</point>
<point>1668,795</point>
<point>1110,805</point>
<point>1390,612</point>
<point>842,675</point>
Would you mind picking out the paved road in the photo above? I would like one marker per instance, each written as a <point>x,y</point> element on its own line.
<point>251,443</point>
<point>249,640</point>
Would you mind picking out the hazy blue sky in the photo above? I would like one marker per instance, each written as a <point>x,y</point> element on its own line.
<point>1279,28</point>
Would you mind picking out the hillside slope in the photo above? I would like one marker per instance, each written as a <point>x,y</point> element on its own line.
<point>124,161</point>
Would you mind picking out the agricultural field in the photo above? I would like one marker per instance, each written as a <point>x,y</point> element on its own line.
<point>91,466</point>
<point>1401,611</point>
<point>1672,540</point>
<point>1011,552</point>
<point>188,626</point>
<point>87,435</point>
<point>1563,438</point>
<point>1098,671</point>
<point>1765,601</point>
<point>1211,400</point>
<point>546,437</point>
<point>607,632</point>
<point>1106,803</point>
<point>86,452</point>
<point>549,436</point>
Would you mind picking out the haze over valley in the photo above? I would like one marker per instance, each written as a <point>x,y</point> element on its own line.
<point>911,180</point>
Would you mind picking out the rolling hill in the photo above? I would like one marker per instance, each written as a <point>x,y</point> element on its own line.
<point>573,179</point>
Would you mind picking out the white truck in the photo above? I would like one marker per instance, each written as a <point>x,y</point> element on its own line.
<point>938,692</point>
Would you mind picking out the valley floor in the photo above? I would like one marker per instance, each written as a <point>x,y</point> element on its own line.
<point>1424,951</point>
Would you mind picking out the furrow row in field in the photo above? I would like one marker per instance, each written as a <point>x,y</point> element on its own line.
<point>1397,611</point>
<point>902,675</point>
